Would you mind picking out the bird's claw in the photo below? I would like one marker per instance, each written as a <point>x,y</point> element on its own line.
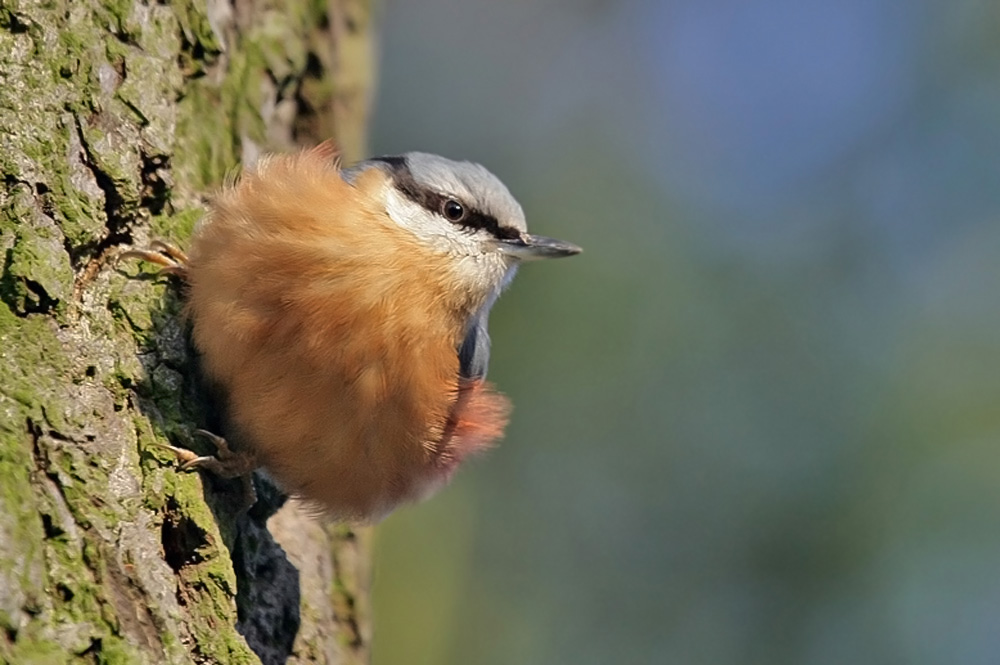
<point>226,463</point>
<point>172,259</point>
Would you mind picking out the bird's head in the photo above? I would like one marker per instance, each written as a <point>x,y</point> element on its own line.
<point>464,211</point>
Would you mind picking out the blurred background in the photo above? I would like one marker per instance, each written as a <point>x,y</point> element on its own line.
<point>758,420</point>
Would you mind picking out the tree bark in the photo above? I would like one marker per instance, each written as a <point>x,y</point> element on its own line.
<point>117,120</point>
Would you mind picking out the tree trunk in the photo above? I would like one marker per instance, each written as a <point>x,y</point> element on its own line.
<point>117,120</point>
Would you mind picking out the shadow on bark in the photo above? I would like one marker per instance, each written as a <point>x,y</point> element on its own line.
<point>268,592</point>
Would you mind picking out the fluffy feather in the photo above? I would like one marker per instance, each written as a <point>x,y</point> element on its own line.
<point>334,333</point>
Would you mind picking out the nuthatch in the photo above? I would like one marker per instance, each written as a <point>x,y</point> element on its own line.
<point>343,314</point>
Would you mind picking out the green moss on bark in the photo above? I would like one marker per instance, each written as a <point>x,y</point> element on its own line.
<point>118,118</point>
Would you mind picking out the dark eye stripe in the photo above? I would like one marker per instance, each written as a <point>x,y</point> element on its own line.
<point>433,201</point>
<point>395,161</point>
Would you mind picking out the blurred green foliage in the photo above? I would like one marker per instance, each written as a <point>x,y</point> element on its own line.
<point>758,420</point>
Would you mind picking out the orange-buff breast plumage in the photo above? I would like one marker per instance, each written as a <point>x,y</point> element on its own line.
<point>333,335</point>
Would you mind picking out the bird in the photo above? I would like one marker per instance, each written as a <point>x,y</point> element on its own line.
<point>342,313</point>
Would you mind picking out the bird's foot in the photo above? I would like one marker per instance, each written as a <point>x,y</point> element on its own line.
<point>226,463</point>
<point>161,252</point>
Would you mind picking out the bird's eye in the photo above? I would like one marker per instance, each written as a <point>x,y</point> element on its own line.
<point>452,210</point>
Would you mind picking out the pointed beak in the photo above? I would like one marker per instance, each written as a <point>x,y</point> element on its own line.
<point>529,247</point>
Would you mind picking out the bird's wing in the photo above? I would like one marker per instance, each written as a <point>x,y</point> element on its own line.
<point>474,352</point>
